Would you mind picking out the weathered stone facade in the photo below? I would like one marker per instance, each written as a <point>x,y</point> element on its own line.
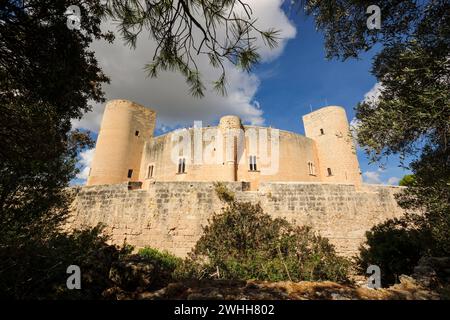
<point>170,215</point>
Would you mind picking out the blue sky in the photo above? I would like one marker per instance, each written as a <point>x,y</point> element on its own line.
<point>277,93</point>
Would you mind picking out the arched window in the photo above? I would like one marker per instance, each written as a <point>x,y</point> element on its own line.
<point>130,173</point>
<point>329,172</point>
<point>321,132</point>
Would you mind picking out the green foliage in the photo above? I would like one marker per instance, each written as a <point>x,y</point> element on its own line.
<point>43,61</point>
<point>345,27</point>
<point>412,111</point>
<point>36,165</point>
<point>163,259</point>
<point>224,194</point>
<point>428,202</point>
<point>397,245</point>
<point>36,268</point>
<point>244,243</point>
<point>408,117</point>
<point>394,247</point>
<point>47,76</point>
<point>407,181</point>
<point>165,266</point>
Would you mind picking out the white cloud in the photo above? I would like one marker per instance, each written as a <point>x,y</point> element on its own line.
<point>373,94</point>
<point>372,177</point>
<point>371,97</point>
<point>393,181</point>
<point>354,125</point>
<point>169,94</point>
<point>85,163</point>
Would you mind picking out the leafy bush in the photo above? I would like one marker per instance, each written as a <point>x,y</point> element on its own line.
<point>148,270</point>
<point>394,247</point>
<point>398,244</point>
<point>164,259</point>
<point>224,194</point>
<point>244,243</point>
<point>36,269</point>
<point>407,181</point>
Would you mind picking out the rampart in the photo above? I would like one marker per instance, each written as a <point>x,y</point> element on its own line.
<point>170,215</point>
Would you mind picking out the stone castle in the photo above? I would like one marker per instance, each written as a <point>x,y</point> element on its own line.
<point>126,150</point>
<point>159,191</point>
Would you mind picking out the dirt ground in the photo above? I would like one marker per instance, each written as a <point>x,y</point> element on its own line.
<point>408,289</point>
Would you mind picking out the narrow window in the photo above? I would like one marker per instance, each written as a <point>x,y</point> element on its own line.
<point>150,172</point>
<point>329,171</point>
<point>136,133</point>
<point>130,173</point>
<point>252,163</point>
<point>321,131</point>
<point>181,165</point>
<point>310,168</point>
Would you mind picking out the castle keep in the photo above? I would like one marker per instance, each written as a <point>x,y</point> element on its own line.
<point>159,192</point>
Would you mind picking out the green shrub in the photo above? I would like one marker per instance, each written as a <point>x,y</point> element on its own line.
<point>244,243</point>
<point>164,259</point>
<point>224,194</point>
<point>398,244</point>
<point>407,181</point>
<point>393,246</point>
<point>36,269</point>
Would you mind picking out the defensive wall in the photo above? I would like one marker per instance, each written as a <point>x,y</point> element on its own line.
<point>170,215</point>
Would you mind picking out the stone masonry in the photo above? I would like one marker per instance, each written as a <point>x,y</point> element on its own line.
<point>170,215</point>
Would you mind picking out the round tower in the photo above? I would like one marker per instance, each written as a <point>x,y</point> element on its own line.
<point>125,128</point>
<point>329,128</point>
<point>230,128</point>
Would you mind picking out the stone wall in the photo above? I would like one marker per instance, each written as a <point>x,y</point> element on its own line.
<point>170,215</point>
<point>288,163</point>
